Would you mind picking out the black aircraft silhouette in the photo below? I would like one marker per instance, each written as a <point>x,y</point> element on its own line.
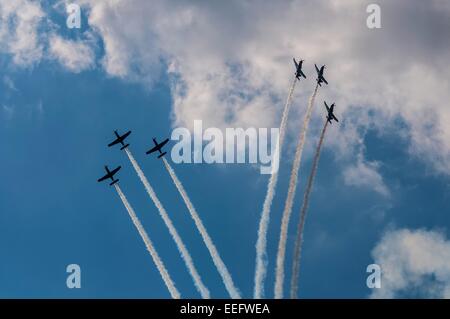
<point>120,139</point>
<point>298,69</point>
<point>110,174</point>
<point>320,78</point>
<point>158,147</point>
<point>330,115</point>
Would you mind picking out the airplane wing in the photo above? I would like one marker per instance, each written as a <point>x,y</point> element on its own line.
<point>103,178</point>
<point>326,106</point>
<point>163,142</point>
<point>323,79</point>
<point>295,62</point>
<point>303,74</point>
<point>317,69</point>
<point>335,118</point>
<point>124,136</point>
<point>153,149</point>
<point>115,170</point>
<point>113,142</point>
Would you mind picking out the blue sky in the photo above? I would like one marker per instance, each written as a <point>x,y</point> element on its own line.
<point>55,124</point>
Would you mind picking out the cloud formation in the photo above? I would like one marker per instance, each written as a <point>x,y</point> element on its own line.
<point>414,263</point>
<point>75,56</point>
<point>229,63</point>
<point>19,35</point>
<point>365,174</point>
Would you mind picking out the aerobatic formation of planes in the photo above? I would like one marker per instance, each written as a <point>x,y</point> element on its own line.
<point>299,73</point>
<point>120,139</point>
<point>158,146</point>
<point>320,79</point>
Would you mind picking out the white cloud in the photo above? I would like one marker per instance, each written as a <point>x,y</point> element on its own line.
<point>76,56</point>
<point>19,22</point>
<point>365,174</point>
<point>413,262</point>
<point>230,62</point>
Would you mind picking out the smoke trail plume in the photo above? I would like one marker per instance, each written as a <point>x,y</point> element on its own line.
<point>221,268</point>
<point>204,292</point>
<point>301,223</point>
<point>261,244</point>
<point>148,243</point>
<point>279,279</point>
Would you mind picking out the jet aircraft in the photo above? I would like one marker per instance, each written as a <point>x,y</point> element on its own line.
<point>320,78</point>
<point>298,69</point>
<point>330,110</point>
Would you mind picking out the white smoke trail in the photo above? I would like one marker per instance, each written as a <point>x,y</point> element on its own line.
<point>222,269</point>
<point>204,292</point>
<point>261,243</point>
<point>301,223</point>
<point>148,243</point>
<point>279,278</point>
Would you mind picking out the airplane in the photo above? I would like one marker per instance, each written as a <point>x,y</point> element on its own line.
<point>320,77</point>
<point>158,147</point>
<point>110,174</point>
<point>330,115</point>
<point>120,139</point>
<point>298,69</point>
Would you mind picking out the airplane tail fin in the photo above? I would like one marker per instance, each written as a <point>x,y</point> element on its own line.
<point>162,154</point>
<point>113,182</point>
<point>124,147</point>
